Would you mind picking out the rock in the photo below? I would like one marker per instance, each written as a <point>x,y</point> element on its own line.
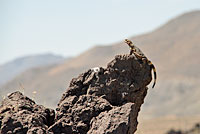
<point>172,131</point>
<point>104,101</point>
<point>115,121</point>
<point>19,114</point>
<point>99,101</point>
<point>194,130</point>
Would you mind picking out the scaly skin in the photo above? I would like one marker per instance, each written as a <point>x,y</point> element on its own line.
<point>140,55</point>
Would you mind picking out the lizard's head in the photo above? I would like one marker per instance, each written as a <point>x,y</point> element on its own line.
<point>128,42</point>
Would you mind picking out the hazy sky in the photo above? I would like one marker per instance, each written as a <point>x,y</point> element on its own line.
<point>71,27</point>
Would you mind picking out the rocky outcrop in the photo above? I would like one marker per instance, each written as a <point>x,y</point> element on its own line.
<point>20,115</point>
<point>104,100</point>
<point>99,101</point>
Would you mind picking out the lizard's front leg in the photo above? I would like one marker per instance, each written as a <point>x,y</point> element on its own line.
<point>131,51</point>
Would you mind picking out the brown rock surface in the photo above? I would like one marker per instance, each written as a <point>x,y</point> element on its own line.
<point>20,115</point>
<point>104,100</point>
<point>99,101</point>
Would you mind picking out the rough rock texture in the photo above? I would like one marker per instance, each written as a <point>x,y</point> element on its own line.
<point>20,115</point>
<point>104,100</point>
<point>99,101</point>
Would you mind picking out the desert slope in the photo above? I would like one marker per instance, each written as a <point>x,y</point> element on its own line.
<point>173,48</point>
<point>11,69</point>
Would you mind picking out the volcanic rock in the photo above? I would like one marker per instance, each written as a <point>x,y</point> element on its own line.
<point>20,115</point>
<point>99,101</point>
<point>104,100</point>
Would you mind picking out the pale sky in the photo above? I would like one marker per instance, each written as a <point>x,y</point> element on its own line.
<point>70,27</point>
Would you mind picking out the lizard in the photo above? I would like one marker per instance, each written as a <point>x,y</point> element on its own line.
<point>140,55</point>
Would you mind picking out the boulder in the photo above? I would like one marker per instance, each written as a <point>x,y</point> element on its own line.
<point>99,101</point>
<point>20,115</point>
<point>104,100</point>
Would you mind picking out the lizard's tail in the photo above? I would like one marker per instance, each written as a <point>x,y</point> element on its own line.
<point>154,71</point>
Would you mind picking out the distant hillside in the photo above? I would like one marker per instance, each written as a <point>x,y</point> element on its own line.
<point>11,69</point>
<point>173,48</point>
<point>165,124</point>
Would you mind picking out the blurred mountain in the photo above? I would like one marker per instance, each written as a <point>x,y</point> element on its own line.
<point>11,69</point>
<point>173,48</point>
